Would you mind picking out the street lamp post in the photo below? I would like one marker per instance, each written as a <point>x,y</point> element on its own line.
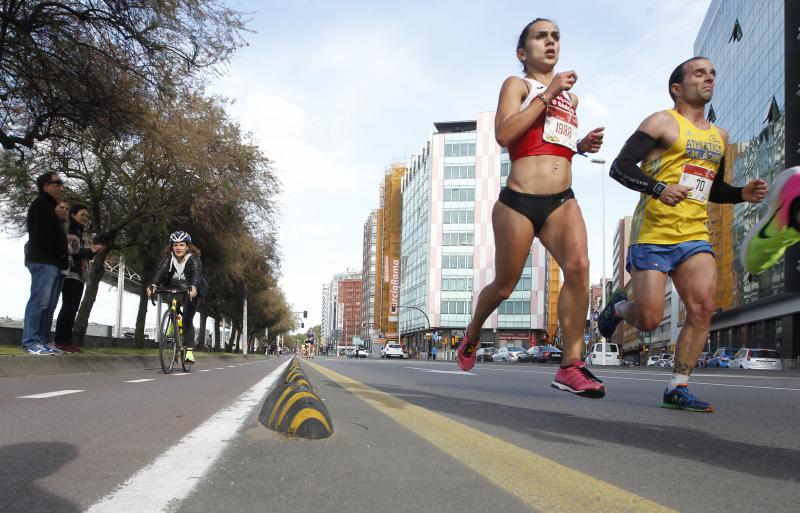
<point>602,163</point>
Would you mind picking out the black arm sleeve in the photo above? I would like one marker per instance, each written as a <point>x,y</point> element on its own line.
<point>722,191</point>
<point>625,170</point>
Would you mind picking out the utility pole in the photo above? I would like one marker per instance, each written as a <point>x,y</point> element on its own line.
<point>244,326</point>
<point>120,292</point>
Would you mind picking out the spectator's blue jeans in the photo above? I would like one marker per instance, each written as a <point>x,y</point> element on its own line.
<point>46,281</point>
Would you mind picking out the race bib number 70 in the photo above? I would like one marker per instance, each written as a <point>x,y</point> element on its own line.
<point>699,179</point>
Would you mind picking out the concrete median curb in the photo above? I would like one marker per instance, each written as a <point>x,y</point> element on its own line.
<point>25,365</point>
<point>293,409</point>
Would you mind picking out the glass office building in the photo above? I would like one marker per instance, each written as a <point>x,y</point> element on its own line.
<point>749,43</point>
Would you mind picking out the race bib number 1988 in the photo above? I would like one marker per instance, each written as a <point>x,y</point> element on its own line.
<point>561,127</point>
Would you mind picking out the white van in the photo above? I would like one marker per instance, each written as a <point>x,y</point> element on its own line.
<point>604,354</point>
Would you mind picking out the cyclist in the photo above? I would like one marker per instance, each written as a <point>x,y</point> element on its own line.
<point>181,267</point>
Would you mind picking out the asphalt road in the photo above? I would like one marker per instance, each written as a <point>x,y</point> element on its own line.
<point>409,436</point>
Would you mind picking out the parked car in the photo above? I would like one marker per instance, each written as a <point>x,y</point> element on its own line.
<point>545,354</point>
<point>392,351</point>
<point>508,354</point>
<point>604,354</point>
<point>757,358</point>
<point>630,361</point>
<point>485,354</point>
<point>721,358</point>
<point>360,353</point>
<point>663,358</point>
<point>652,361</point>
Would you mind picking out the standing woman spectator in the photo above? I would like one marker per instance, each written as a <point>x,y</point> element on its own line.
<point>181,267</point>
<point>71,292</point>
<point>536,120</point>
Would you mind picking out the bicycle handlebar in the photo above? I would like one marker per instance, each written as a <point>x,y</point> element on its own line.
<point>170,290</point>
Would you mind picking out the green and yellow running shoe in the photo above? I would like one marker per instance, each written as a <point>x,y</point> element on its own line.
<point>768,240</point>
<point>189,358</point>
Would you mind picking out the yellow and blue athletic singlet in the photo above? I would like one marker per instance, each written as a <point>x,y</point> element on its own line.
<point>693,160</point>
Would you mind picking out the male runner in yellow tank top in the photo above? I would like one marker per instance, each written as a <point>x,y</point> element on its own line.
<point>682,157</point>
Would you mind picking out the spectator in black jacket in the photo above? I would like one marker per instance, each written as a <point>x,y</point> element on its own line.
<point>181,267</point>
<point>45,256</point>
<point>79,255</point>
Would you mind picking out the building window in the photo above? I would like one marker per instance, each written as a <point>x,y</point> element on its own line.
<point>457,284</point>
<point>456,307</point>
<point>461,216</point>
<point>456,261</point>
<point>459,149</point>
<point>458,239</point>
<point>774,112</point>
<point>505,167</point>
<point>737,34</point>
<point>712,116</point>
<point>459,194</point>
<point>456,172</point>
<point>514,307</point>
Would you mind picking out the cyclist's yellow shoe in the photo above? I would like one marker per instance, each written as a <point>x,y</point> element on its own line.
<point>189,359</point>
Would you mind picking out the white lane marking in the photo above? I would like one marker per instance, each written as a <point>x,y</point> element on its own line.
<point>205,370</point>
<point>139,380</point>
<point>231,366</point>
<point>50,394</point>
<point>458,372</point>
<point>179,374</point>
<point>661,380</point>
<point>220,368</point>
<point>185,464</point>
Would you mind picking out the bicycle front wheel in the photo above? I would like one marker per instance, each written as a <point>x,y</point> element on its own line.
<point>168,346</point>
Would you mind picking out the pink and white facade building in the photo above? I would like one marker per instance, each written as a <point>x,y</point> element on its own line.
<point>447,244</point>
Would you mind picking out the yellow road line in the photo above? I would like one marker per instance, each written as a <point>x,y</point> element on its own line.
<point>567,490</point>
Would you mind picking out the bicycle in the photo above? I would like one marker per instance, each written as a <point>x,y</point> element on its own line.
<point>170,344</point>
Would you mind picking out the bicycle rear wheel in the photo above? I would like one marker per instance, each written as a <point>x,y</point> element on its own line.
<point>167,346</point>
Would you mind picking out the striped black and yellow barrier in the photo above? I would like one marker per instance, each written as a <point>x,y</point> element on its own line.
<point>293,408</point>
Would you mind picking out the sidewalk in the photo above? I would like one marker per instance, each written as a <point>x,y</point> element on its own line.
<point>14,366</point>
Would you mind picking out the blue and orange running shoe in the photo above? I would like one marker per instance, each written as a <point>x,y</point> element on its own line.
<point>608,320</point>
<point>768,240</point>
<point>680,398</point>
<point>467,353</point>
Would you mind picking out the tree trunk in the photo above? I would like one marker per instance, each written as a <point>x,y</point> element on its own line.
<point>201,332</point>
<point>82,319</point>
<point>216,333</point>
<point>141,316</point>
<point>231,340</point>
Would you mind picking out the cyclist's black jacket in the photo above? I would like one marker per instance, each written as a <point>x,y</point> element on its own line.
<point>193,272</point>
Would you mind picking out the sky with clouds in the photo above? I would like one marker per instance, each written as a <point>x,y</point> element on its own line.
<point>334,92</point>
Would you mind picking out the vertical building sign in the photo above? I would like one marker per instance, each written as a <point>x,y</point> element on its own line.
<point>394,289</point>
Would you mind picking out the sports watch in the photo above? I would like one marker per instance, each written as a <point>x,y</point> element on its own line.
<point>658,188</point>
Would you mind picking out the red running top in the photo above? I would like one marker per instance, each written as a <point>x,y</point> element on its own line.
<point>532,142</point>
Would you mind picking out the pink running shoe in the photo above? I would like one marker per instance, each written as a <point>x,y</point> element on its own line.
<point>466,353</point>
<point>579,380</point>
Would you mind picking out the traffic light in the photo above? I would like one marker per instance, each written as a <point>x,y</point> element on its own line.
<point>305,314</point>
